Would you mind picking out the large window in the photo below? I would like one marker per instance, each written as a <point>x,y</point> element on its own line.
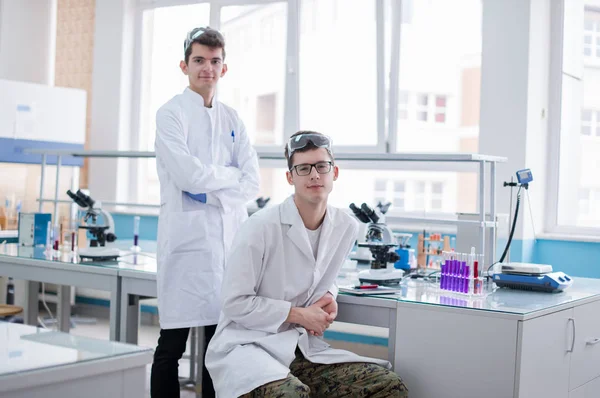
<point>578,139</point>
<point>332,72</point>
<point>164,30</point>
<point>255,37</point>
<point>439,76</point>
<point>338,70</point>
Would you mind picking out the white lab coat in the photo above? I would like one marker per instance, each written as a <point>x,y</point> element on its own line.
<point>196,153</point>
<point>270,269</point>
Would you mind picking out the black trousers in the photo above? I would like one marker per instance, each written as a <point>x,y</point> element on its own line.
<point>164,379</point>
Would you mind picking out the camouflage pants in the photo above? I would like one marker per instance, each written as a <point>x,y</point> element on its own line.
<point>308,379</point>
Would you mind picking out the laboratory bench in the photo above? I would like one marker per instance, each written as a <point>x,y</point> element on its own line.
<point>38,362</point>
<point>505,343</point>
<point>35,265</point>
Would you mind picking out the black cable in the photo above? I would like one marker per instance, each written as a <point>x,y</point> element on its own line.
<point>512,232</point>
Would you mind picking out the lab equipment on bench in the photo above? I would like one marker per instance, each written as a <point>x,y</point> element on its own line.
<point>33,228</point>
<point>381,242</point>
<point>136,235</point>
<point>533,277</point>
<point>404,251</point>
<point>461,273</point>
<point>101,233</point>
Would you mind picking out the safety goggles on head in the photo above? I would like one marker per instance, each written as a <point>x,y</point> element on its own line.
<point>193,35</point>
<point>301,140</point>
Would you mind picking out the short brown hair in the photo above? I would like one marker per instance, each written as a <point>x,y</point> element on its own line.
<point>310,146</point>
<point>209,37</point>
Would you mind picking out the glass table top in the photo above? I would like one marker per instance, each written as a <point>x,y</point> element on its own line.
<point>143,261</point>
<point>412,290</point>
<point>26,348</point>
<point>493,298</point>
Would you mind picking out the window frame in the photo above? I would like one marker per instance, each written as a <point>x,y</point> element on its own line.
<point>387,124</point>
<point>557,73</point>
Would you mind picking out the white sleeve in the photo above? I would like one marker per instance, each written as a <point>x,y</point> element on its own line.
<point>187,171</point>
<point>243,274</point>
<point>334,290</point>
<point>246,161</point>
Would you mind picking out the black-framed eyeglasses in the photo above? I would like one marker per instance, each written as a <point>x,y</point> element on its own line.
<point>305,169</point>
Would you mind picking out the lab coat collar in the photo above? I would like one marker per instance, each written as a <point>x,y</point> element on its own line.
<point>297,232</point>
<point>197,98</point>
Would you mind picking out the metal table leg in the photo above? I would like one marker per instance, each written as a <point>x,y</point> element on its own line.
<point>64,308</point>
<point>31,306</point>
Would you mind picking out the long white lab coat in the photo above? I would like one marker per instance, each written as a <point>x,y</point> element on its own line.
<point>270,269</point>
<point>199,150</point>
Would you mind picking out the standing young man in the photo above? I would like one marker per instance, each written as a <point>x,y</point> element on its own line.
<point>208,171</point>
<point>279,295</point>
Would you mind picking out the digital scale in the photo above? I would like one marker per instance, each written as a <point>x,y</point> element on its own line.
<point>532,277</point>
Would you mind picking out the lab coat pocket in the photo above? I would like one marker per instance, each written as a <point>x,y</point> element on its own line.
<point>187,232</point>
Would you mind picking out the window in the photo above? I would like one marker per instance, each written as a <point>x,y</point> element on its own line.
<point>590,123</point>
<point>266,109</point>
<point>440,109</point>
<point>437,196</point>
<point>442,72</point>
<point>338,71</point>
<point>422,107</point>
<point>419,196</point>
<point>329,83</point>
<point>255,37</point>
<point>403,105</point>
<point>591,36</point>
<point>399,195</point>
<point>577,209</point>
<point>164,30</point>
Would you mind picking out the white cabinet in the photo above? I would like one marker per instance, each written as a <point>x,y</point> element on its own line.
<point>588,390</point>
<point>451,352</point>
<point>560,354</point>
<point>585,359</point>
<point>545,345</point>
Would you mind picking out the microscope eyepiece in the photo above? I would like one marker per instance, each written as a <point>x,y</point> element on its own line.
<point>370,213</point>
<point>81,199</point>
<point>361,215</point>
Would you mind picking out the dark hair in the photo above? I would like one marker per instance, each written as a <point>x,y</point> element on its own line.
<point>209,37</point>
<point>309,147</point>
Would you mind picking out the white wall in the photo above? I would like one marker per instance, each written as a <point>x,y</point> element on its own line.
<point>514,92</point>
<point>111,96</point>
<point>28,40</point>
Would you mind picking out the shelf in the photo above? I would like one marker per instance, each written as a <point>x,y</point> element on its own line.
<point>92,154</point>
<point>440,221</point>
<point>391,157</point>
<point>405,157</point>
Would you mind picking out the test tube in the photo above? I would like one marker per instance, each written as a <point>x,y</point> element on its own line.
<point>443,270</point>
<point>49,237</point>
<point>136,235</point>
<point>136,230</point>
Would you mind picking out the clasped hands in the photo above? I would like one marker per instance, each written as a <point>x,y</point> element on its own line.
<point>317,317</point>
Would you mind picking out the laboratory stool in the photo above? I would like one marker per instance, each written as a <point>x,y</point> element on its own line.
<point>8,311</point>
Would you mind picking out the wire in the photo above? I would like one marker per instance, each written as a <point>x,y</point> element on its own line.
<point>47,309</point>
<point>531,214</point>
<point>513,227</point>
<point>512,233</point>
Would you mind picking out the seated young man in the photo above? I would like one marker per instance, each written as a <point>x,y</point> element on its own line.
<point>279,295</point>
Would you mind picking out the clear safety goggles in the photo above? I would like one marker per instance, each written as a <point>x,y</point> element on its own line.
<point>193,35</point>
<point>302,140</point>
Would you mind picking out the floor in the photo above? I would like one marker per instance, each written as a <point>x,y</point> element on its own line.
<point>148,337</point>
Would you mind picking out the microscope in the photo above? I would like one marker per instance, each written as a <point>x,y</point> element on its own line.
<point>380,241</point>
<point>101,233</point>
